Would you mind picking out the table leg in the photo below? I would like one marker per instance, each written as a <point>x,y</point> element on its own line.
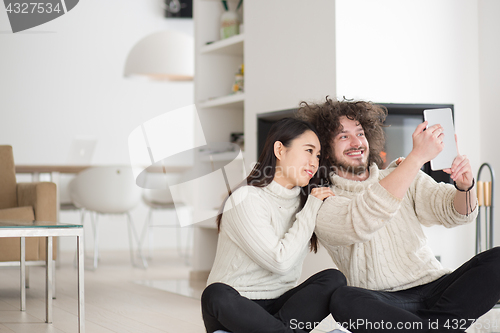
<point>48,281</point>
<point>54,265</point>
<point>54,177</point>
<point>27,275</point>
<point>23,273</point>
<point>81,294</point>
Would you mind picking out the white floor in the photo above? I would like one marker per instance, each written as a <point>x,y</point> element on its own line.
<point>113,302</point>
<point>121,298</point>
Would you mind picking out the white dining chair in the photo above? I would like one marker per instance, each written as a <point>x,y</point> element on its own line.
<point>80,152</point>
<point>108,190</point>
<point>161,200</point>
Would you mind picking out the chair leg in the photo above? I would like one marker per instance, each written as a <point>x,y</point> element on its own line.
<point>130,244</point>
<point>180,247</point>
<point>188,247</point>
<point>95,224</point>
<point>133,233</point>
<point>54,264</point>
<point>82,216</point>
<point>146,233</point>
<point>150,234</point>
<point>82,212</point>
<point>183,251</point>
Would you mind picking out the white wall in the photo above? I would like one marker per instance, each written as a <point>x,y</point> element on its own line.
<point>289,58</point>
<point>65,79</point>
<point>489,83</point>
<point>416,52</point>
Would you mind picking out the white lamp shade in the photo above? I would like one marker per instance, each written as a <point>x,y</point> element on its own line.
<point>164,55</point>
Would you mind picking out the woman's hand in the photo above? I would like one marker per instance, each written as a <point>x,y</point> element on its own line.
<point>322,192</point>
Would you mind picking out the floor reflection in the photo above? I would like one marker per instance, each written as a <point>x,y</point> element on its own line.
<point>184,287</point>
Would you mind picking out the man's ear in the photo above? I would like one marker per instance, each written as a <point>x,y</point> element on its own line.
<point>278,150</point>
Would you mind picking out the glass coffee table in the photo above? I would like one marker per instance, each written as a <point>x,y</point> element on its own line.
<point>49,230</point>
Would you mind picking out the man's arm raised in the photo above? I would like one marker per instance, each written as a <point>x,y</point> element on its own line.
<point>427,144</point>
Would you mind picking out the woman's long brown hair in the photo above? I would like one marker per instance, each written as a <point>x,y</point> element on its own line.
<point>285,131</point>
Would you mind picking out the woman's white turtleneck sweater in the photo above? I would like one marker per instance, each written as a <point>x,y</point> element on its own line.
<point>263,240</point>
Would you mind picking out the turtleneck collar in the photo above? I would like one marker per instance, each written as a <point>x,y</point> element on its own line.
<point>283,192</point>
<point>353,185</point>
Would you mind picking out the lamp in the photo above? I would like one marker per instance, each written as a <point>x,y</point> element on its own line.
<point>164,55</point>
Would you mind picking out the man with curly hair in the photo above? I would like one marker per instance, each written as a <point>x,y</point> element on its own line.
<point>372,227</point>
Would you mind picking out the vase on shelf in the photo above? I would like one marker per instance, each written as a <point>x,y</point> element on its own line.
<point>229,24</point>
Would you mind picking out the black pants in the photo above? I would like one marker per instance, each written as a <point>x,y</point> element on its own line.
<point>297,310</point>
<point>449,304</point>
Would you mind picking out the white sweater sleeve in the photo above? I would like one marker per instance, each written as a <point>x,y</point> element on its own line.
<point>345,221</point>
<point>248,224</point>
<point>434,203</point>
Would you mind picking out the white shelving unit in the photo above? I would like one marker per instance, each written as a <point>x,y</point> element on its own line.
<point>232,45</point>
<point>280,72</point>
<point>221,113</point>
<point>234,101</point>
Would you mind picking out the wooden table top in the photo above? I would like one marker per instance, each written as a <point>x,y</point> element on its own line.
<point>51,168</point>
<point>79,168</point>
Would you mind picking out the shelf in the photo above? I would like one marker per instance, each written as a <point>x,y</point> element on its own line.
<point>222,157</point>
<point>235,101</point>
<point>232,46</point>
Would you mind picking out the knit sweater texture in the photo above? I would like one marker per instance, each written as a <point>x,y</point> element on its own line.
<point>376,239</point>
<point>263,240</point>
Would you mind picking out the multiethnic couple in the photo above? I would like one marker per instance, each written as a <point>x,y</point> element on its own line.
<point>320,179</point>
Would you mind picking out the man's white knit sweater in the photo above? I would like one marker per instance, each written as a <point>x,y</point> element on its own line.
<point>263,241</point>
<point>376,239</point>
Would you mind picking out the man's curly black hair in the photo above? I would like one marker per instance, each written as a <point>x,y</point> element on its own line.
<point>326,118</point>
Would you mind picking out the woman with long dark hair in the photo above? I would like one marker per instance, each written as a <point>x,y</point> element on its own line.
<point>265,231</point>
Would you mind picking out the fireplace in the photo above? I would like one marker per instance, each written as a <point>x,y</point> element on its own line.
<point>402,120</point>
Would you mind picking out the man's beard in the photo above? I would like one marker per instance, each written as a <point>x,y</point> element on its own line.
<point>353,169</point>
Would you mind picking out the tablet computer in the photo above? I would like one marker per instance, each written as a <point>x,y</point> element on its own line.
<point>443,117</point>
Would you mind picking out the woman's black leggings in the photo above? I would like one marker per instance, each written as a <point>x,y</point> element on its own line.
<point>449,304</point>
<point>298,310</point>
